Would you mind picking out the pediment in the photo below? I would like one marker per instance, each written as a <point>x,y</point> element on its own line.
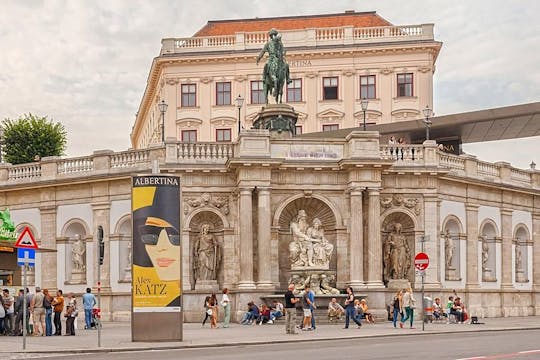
<point>331,114</point>
<point>406,113</point>
<point>223,120</point>
<point>188,122</point>
<point>301,116</point>
<point>369,114</point>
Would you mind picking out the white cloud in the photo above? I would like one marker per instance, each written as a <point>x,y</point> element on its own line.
<point>85,63</point>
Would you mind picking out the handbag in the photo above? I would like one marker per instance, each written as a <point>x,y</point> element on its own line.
<point>209,311</point>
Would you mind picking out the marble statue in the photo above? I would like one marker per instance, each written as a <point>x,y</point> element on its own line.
<point>397,254</point>
<point>78,249</point>
<point>449,249</point>
<point>519,259</point>
<point>276,69</point>
<point>309,247</point>
<point>127,268</point>
<point>326,288</point>
<point>485,254</point>
<point>206,254</point>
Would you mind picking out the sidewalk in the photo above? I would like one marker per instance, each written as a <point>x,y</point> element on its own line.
<point>116,336</point>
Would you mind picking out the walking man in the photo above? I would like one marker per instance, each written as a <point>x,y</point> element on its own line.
<point>89,300</point>
<point>19,304</point>
<point>290,310</point>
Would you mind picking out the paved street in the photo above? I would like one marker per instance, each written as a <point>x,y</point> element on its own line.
<point>116,337</point>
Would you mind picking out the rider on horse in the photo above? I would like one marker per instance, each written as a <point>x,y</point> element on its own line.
<point>276,69</point>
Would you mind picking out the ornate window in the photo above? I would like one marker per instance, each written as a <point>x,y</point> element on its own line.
<point>189,136</point>
<point>330,88</point>
<point>298,129</point>
<point>294,91</point>
<point>189,95</point>
<point>404,84</point>
<point>330,127</point>
<point>367,87</point>
<point>223,135</point>
<point>223,93</point>
<point>257,96</point>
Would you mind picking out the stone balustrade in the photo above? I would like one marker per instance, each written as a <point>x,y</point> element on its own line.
<point>256,144</point>
<point>345,35</point>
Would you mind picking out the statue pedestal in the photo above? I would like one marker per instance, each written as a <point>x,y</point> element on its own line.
<point>127,274</point>
<point>399,284</point>
<point>520,276</point>
<point>451,274</point>
<point>321,281</point>
<point>77,277</point>
<point>280,119</point>
<point>488,276</point>
<point>207,285</point>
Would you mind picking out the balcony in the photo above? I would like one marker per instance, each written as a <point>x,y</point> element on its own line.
<point>346,35</point>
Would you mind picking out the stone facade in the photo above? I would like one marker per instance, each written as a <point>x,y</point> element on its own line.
<point>249,191</point>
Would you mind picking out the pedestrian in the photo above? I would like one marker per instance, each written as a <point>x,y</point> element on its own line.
<point>9,308</point>
<point>89,301</point>
<point>70,314</point>
<point>226,303</point>
<point>277,311</point>
<point>19,306</point>
<point>397,306</point>
<point>2,316</point>
<point>311,295</point>
<point>58,303</point>
<point>307,307</point>
<point>207,310</point>
<point>38,312</point>
<point>408,305</point>
<point>290,310</point>
<point>29,316</point>
<point>214,307</point>
<point>350,311</point>
<point>47,305</point>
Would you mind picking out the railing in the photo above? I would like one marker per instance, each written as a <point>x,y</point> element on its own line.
<point>76,165</point>
<point>453,162</point>
<point>24,172</point>
<point>403,154</point>
<point>301,37</point>
<point>127,159</point>
<point>520,175</point>
<point>209,152</point>
<point>487,169</point>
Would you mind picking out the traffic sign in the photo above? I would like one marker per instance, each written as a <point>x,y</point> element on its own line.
<point>26,257</point>
<point>421,261</point>
<point>26,240</point>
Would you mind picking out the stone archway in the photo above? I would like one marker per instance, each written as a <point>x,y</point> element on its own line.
<point>314,208</point>
<point>398,234</point>
<point>215,230</point>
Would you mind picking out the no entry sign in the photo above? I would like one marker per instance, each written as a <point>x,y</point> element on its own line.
<point>421,261</point>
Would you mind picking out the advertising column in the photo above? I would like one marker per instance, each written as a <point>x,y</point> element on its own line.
<point>156,273</point>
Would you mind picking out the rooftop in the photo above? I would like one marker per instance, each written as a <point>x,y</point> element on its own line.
<point>348,18</point>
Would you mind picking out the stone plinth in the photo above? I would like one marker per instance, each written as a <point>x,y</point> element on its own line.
<point>451,274</point>
<point>397,284</point>
<point>321,281</point>
<point>487,275</point>
<point>77,277</point>
<point>280,119</point>
<point>520,276</point>
<point>207,285</point>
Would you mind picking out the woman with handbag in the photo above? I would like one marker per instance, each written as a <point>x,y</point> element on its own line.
<point>214,308</point>
<point>207,310</point>
<point>408,305</point>
<point>71,314</point>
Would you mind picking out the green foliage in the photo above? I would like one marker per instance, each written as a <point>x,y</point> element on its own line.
<point>31,136</point>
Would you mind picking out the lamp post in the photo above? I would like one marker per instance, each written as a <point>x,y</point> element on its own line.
<point>364,103</point>
<point>163,108</point>
<point>427,122</point>
<point>239,103</point>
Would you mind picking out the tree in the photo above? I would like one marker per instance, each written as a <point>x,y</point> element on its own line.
<point>31,137</point>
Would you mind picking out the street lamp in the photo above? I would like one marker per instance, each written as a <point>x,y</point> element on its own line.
<point>239,103</point>
<point>364,103</point>
<point>163,108</point>
<point>427,122</point>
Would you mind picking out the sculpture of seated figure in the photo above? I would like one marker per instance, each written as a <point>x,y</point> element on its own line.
<point>322,249</point>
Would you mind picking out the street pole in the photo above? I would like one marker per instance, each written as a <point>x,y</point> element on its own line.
<point>163,127</point>
<point>239,125</point>
<point>423,275</point>
<point>25,322</point>
<point>364,120</point>
<point>99,300</point>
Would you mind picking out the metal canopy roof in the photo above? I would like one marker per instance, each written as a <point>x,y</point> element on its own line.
<point>508,122</point>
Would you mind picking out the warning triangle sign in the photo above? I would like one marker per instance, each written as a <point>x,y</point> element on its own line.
<point>26,240</point>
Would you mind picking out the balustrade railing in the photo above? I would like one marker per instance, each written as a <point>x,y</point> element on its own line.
<point>24,172</point>
<point>487,169</point>
<point>128,159</point>
<point>454,162</point>
<point>210,151</point>
<point>520,175</point>
<point>403,154</point>
<point>76,165</point>
<point>329,33</point>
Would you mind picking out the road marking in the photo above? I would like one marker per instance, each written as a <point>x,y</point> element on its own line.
<point>502,356</point>
<point>529,352</point>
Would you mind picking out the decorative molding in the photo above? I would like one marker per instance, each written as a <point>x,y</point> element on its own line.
<point>172,81</point>
<point>424,69</point>
<point>348,72</point>
<point>311,74</point>
<point>331,115</point>
<point>240,78</point>
<point>206,79</point>
<point>220,203</point>
<point>386,71</point>
<point>398,200</point>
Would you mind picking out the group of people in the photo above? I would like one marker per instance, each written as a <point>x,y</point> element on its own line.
<point>454,308</point>
<point>360,307</point>
<point>43,312</point>
<point>262,314</point>
<point>403,304</point>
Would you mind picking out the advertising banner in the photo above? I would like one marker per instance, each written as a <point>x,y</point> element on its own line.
<point>156,271</point>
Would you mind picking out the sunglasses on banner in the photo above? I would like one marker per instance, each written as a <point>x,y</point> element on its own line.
<point>150,234</point>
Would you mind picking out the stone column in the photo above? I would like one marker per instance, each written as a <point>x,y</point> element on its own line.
<point>356,241</point>
<point>49,260</point>
<point>264,238</point>
<point>374,240</point>
<point>472,246</point>
<point>431,246</point>
<point>101,214</point>
<point>246,239</point>
<point>507,270</point>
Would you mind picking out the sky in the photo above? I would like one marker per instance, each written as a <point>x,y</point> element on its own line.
<point>85,63</point>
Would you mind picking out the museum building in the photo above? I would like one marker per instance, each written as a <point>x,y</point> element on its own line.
<point>367,205</point>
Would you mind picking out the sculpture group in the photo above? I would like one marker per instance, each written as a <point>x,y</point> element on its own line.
<point>309,247</point>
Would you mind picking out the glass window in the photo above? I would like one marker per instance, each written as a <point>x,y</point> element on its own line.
<point>294,91</point>
<point>257,96</point>
<point>298,129</point>
<point>223,93</point>
<point>404,85</point>
<point>189,95</point>
<point>367,87</point>
<point>330,88</point>
<point>223,134</point>
<point>189,136</point>
<point>330,127</point>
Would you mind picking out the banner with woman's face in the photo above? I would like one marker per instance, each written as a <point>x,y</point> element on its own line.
<point>156,276</point>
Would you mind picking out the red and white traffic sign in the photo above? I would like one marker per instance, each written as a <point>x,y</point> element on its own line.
<point>421,261</point>
<point>26,240</point>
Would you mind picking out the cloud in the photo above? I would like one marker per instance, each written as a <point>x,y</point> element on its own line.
<point>85,63</point>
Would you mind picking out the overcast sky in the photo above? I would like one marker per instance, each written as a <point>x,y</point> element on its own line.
<point>85,63</point>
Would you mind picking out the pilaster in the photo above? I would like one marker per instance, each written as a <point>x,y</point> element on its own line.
<point>246,239</point>
<point>356,241</point>
<point>49,260</point>
<point>374,240</point>
<point>506,248</point>
<point>431,246</point>
<point>101,215</point>
<point>264,238</point>
<point>472,246</point>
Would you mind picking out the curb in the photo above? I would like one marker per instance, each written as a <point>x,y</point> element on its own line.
<point>285,341</point>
